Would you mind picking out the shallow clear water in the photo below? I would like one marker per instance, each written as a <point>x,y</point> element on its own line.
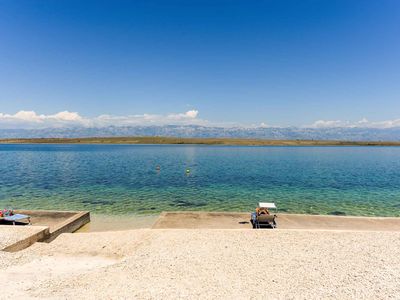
<point>120,179</point>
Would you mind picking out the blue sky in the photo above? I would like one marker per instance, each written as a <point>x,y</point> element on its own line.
<point>246,62</point>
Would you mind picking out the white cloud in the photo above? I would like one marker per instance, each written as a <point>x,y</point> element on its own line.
<point>67,116</point>
<point>388,124</point>
<point>32,120</point>
<point>363,123</point>
<point>189,115</point>
<point>192,113</point>
<point>187,118</point>
<point>328,124</point>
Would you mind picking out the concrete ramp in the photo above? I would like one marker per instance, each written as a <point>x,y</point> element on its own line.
<point>46,226</point>
<point>15,238</point>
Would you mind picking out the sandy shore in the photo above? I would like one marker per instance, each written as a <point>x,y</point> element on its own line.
<point>100,223</point>
<point>207,264</point>
<point>237,220</point>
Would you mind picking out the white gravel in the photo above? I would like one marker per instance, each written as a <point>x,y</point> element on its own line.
<point>10,234</point>
<point>208,264</point>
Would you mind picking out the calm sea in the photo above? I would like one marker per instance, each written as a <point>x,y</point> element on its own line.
<point>123,179</point>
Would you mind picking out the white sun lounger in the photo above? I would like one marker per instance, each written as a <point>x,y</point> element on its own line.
<point>264,219</point>
<point>17,217</point>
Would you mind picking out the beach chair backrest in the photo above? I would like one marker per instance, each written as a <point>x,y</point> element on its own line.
<point>266,218</point>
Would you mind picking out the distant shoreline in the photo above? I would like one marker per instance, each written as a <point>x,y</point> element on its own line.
<point>194,141</point>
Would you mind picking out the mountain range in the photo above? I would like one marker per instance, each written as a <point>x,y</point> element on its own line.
<point>284,133</point>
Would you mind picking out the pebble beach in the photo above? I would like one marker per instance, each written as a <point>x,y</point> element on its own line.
<point>207,264</point>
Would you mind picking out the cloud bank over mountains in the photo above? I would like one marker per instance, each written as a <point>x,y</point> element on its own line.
<point>31,120</point>
<point>65,119</point>
<point>363,123</point>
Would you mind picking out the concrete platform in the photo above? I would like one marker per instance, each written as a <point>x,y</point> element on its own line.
<point>45,226</point>
<point>57,221</point>
<point>232,220</point>
<point>15,238</point>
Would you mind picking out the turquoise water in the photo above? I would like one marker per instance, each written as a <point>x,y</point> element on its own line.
<point>123,178</point>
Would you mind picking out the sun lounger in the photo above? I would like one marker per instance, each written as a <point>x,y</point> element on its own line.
<point>267,220</point>
<point>264,219</point>
<point>16,218</point>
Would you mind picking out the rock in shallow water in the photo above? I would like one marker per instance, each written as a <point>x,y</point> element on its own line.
<point>337,213</point>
